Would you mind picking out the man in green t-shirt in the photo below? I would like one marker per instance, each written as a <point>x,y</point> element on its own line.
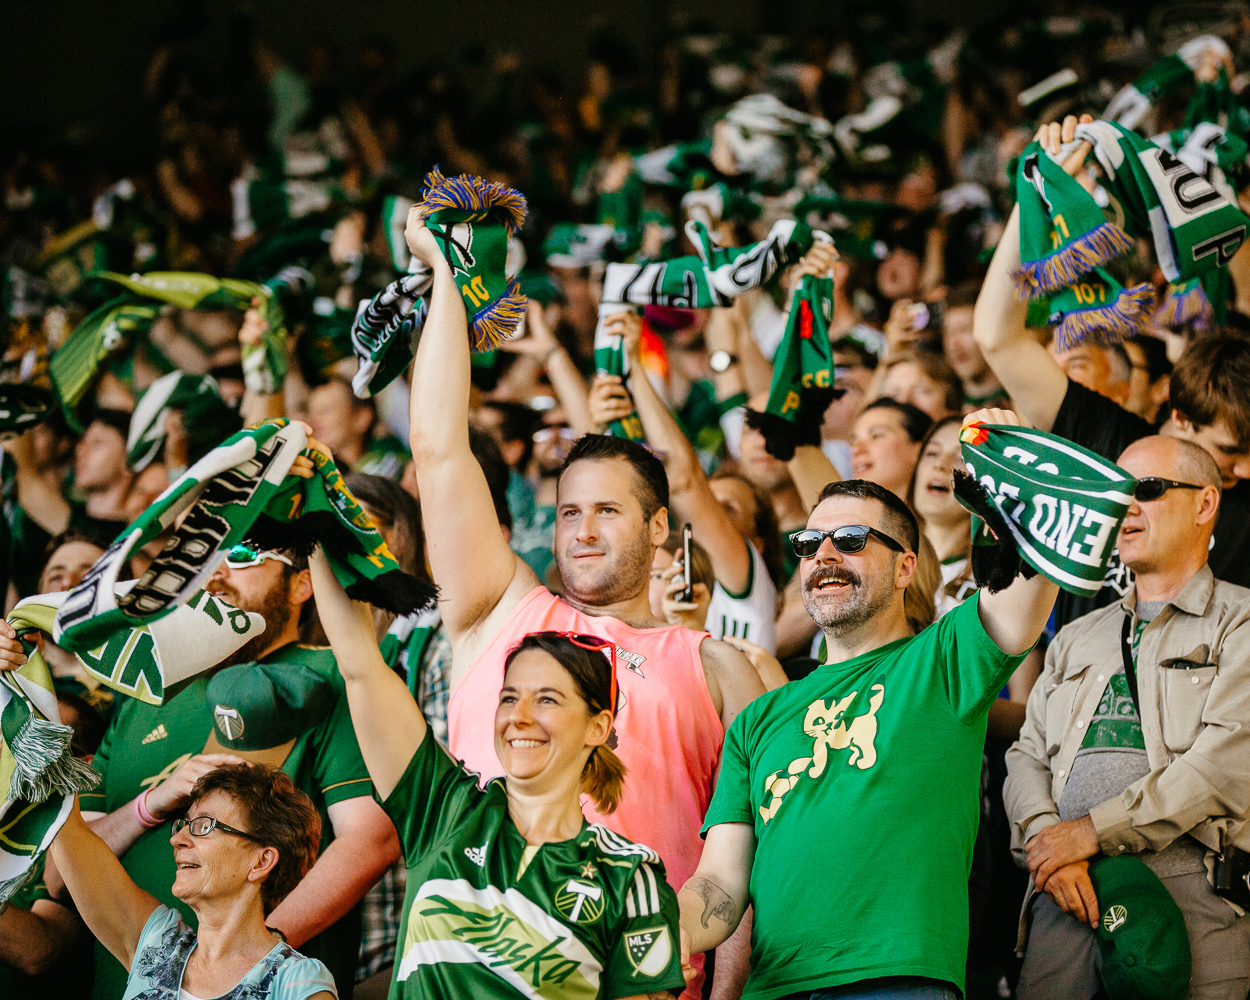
<point>848,801</point>
<point>160,751</point>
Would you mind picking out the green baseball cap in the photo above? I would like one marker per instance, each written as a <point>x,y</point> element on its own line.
<point>259,706</point>
<point>1141,933</point>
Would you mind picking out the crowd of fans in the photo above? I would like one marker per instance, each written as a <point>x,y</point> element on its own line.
<point>297,174</point>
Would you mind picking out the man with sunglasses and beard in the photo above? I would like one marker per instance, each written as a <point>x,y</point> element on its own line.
<point>679,689</point>
<point>152,756</point>
<point>1135,741</point>
<point>848,801</point>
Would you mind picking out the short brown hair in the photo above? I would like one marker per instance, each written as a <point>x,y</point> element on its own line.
<point>1211,382</point>
<point>278,814</point>
<point>938,370</point>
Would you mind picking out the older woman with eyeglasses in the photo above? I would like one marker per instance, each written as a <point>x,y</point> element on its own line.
<point>247,838</point>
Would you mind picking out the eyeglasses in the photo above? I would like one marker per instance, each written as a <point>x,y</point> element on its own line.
<point>594,643</point>
<point>1152,487</point>
<point>202,826</point>
<point>243,556</point>
<point>547,433</point>
<point>848,538</point>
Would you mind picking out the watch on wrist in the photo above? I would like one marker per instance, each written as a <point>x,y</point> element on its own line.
<point>722,360</point>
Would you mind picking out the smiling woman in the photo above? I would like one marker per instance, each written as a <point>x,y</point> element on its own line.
<point>247,838</point>
<point>510,891</point>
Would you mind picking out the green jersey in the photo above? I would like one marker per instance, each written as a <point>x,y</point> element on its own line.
<point>145,744</point>
<point>487,915</point>
<point>862,784</point>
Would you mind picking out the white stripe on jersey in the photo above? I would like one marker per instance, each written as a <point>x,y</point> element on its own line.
<point>631,908</point>
<point>613,843</point>
<point>655,894</point>
<point>640,887</point>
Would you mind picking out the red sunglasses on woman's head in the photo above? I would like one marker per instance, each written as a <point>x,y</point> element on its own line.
<point>593,642</point>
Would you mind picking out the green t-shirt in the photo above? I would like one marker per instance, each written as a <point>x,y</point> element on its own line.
<point>862,784</point>
<point>145,744</point>
<point>584,918</point>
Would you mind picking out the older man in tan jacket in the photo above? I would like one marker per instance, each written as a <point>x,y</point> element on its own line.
<point>1137,741</point>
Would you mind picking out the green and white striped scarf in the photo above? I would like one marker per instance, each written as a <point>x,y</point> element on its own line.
<point>611,359</point>
<point>715,277</point>
<point>207,417</point>
<point>38,772</point>
<point>1061,503</point>
<point>1169,75</point>
<point>240,489</point>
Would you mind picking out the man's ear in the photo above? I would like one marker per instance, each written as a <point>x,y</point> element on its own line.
<point>659,526</point>
<point>300,588</point>
<point>1208,504</point>
<point>904,570</point>
<point>1182,422</point>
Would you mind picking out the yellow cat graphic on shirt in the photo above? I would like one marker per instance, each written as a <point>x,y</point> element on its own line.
<point>828,726</point>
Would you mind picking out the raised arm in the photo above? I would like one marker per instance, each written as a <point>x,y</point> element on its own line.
<point>110,904</point>
<point>690,496</point>
<point>1026,369</point>
<point>811,471</point>
<point>713,900</point>
<point>389,725</point>
<point>471,562</point>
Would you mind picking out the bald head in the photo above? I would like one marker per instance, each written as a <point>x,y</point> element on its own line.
<point>1173,458</point>
<point>1165,540</point>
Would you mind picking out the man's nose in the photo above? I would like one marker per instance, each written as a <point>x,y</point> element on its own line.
<point>1241,468</point>
<point>828,552</point>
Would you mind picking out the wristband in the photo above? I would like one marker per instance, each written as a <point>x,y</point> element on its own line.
<point>145,818</point>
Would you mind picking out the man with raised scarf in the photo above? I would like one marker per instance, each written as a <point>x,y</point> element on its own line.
<point>873,759</point>
<point>274,701</point>
<point>1135,742</point>
<point>679,688</point>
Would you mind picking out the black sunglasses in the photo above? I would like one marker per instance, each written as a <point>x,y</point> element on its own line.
<point>1152,487</point>
<point>202,826</point>
<point>849,538</point>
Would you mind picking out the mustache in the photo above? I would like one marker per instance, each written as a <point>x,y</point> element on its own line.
<point>836,574</point>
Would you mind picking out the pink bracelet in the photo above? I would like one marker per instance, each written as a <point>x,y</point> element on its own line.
<point>145,818</point>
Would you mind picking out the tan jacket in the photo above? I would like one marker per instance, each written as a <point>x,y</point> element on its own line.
<point>1195,723</point>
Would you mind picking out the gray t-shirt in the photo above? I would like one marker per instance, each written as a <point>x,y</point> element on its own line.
<point>1113,756</point>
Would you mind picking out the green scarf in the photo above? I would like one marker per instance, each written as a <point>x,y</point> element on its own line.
<point>570,244</point>
<point>611,359</point>
<point>264,363</point>
<point>1060,504</point>
<point>715,277</point>
<point>207,418</point>
<point>1063,233</point>
<point>101,334</point>
<point>1131,104</point>
<point>1200,302</point>
<point>1193,226</point>
<point>802,387</point>
<point>240,489</point>
<point>473,219</point>
<point>1098,309</point>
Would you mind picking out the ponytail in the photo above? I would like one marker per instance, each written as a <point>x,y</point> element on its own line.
<point>603,779</point>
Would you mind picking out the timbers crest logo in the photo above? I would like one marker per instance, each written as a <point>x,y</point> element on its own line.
<point>649,950</point>
<point>579,902</point>
<point>1114,918</point>
<point>229,721</point>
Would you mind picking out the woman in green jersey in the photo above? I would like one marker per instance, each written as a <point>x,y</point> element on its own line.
<point>511,893</point>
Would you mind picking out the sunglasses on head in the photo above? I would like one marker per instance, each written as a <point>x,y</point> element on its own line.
<point>243,555</point>
<point>1152,487</point>
<point>594,643</point>
<point>848,538</point>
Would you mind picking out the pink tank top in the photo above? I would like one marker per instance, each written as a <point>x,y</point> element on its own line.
<point>669,731</point>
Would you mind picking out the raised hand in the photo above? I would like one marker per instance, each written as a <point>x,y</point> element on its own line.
<point>173,794</point>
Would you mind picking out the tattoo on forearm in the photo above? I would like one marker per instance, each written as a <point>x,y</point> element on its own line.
<point>716,902</point>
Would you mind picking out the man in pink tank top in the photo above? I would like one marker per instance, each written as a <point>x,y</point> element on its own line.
<point>680,689</point>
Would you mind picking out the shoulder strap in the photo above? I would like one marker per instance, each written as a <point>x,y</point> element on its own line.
<point>1130,670</point>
